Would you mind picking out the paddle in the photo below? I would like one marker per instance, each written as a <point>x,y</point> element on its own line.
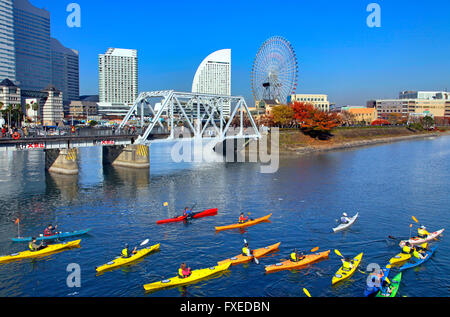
<point>306,292</point>
<point>248,251</point>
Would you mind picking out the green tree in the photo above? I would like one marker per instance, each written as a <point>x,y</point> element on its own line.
<point>427,122</point>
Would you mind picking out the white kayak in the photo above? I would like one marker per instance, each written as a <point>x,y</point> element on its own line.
<point>417,240</point>
<point>343,226</point>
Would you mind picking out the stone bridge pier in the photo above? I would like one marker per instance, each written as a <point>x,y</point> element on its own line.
<point>62,161</point>
<point>132,156</point>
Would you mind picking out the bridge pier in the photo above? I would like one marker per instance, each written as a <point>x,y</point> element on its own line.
<point>132,156</point>
<point>62,161</point>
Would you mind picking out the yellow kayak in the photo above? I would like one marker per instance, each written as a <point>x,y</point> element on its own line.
<point>399,258</point>
<point>245,224</point>
<point>195,276</point>
<point>46,251</point>
<point>343,274</point>
<point>119,261</point>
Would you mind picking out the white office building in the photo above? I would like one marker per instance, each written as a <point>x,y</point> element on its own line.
<point>213,76</point>
<point>7,50</point>
<point>118,81</point>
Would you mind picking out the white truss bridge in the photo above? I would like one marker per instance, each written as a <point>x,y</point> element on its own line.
<point>202,115</point>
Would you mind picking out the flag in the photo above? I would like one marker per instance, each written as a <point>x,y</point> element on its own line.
<point>166,204</point>
<point>17,221</point>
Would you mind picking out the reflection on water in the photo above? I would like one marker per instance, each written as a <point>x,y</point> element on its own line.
<point>387,184</point>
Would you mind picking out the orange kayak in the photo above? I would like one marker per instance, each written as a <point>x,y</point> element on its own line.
<point>245,224</point>
<point>289,265</point>
<point>238,259</point>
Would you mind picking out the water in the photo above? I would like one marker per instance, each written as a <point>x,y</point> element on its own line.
<point>387,184</point>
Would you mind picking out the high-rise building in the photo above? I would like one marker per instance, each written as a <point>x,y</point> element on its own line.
<point>65,71</point>
<point>32,46</point>
<point>213,76</point>
<point>7,52</point>
<point>118,81</point>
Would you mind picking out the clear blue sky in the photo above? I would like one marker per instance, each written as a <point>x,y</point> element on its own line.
<point>338,54</point>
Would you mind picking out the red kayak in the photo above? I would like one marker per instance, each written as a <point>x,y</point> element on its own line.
<point>195,215</point>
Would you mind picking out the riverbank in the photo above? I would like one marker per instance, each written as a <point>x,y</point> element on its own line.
<point>295,142</point>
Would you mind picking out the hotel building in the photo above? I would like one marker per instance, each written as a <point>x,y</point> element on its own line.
<point>7,53</point>
<point>118,81</point>
<point>319,101</point>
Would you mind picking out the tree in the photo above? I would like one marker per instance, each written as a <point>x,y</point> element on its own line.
<point>347,118</point>
<point>282,115</point>
<point>314,122</point>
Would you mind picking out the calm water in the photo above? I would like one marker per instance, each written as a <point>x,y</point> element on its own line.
<point>387,184</point>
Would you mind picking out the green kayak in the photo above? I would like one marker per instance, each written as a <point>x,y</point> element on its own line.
<point>392,289</point>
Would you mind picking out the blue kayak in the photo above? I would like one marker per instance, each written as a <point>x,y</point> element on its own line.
<point>373,290</point>
<point>61,235</point>
<point>416,262</point>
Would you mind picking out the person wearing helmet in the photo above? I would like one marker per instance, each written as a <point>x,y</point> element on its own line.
<point>126,251</point>
<point>422,232</point>
<point>345,219</point>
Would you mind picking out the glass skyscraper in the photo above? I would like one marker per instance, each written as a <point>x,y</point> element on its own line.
<point>32,46</point>
<point>7,53</point>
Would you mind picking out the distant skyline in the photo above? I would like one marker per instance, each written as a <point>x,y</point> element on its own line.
<point>338,53</point>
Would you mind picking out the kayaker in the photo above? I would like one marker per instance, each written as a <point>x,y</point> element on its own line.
<point>183,271</point>
<point>347,264</point>
<point>50,231</point>
<point>422,232</point>
<point>344,218</point>
<point>373,283</point>
<point>126,251</point>
<point>296,257</point>
<point>34,246</point>
<point>408,248</point>
<point>242,218</point>
<point>246,250</point>
<point>187,211</point>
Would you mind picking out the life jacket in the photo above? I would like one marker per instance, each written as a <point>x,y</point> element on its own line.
<point>245,251</point>
<point>48,232</point>
<point>416,254</point>
<point>347,265</point>
<point>184,273</point>
<point>293,257</point>
<point>242,219</point>
<point>125,253</point>
<point>30,245</point>
<point>422,233</point>
<point>406,249</point>
<point>424,245</point>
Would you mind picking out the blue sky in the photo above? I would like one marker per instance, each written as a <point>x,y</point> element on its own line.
<point>338,53</point>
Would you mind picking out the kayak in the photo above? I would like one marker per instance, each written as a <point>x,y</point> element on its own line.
<point>61,235</point>
<point>395,284</point>
<point>290,265</point>
<point>343,226</point>
<point>238,259</point>
<point>399,258</point>
<point>343,274</point>
<point>245,224</point>
<point>119,261</point>
<point>195,276</point>
<point>48,250</point>
<point>417,240</point>
<point>416,262</point>
<point>371,290</point>
<point>195,215</point>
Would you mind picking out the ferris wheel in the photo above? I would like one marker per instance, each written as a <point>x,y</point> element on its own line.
<point>274,72</point>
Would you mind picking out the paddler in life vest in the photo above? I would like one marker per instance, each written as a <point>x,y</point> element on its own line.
<point>296,257</point>
<point>126,251</point>
<point>422,232</point>
<point>34,246</point>
<point>187,212</point>
<point>347,264</point>
<point>50,231</point>
<point>344,218</point>
<point>184,271</point>
<point>242,218</point>
<point>246,251</point>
